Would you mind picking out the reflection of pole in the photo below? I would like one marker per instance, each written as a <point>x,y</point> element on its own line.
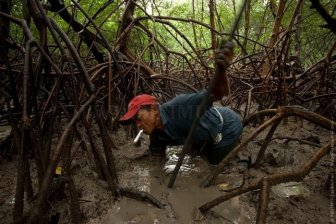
<point>201,108</point>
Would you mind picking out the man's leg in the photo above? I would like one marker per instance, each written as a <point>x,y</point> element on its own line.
<point>216,154</point>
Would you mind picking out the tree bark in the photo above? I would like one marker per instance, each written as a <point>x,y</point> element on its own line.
<point>246,24</point>
<point>267,65</point>
<point>212,4</point>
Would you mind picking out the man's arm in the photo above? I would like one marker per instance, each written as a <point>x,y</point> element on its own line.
<point>223,58</point>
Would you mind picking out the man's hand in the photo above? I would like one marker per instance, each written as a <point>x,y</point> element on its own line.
<point>224,54</point>
<point>223,58</point>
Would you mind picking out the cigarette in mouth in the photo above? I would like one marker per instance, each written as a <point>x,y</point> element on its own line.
<point>138,136</point>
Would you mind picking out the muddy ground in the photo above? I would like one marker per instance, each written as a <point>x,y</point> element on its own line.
<point>304,202</point>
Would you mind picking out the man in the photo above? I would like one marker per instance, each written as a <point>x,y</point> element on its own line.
<point>169,124</point>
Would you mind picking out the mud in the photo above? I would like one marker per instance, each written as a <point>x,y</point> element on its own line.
<point>304,202</point>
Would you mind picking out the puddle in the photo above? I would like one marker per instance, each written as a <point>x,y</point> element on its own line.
<point>186,196</point>
<point>181,201</point>
<point>132,211</point>
<point>188,167</point>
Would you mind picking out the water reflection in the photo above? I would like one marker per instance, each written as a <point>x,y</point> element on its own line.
<point>188,166</point>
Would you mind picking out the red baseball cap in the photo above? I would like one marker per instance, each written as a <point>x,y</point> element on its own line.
<point>135,105</point>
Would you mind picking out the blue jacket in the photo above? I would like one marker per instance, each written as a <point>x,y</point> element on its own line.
<point>178,114</point>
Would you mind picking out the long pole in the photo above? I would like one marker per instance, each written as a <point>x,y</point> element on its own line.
<point>201,108</point>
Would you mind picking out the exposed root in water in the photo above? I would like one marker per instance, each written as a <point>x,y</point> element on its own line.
<point>141,196</point>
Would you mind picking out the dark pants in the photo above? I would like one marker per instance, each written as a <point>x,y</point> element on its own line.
<point>215,155</point>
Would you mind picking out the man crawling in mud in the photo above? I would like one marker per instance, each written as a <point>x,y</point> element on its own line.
<point>168,124</point>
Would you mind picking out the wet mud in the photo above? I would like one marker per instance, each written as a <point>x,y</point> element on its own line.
<point>294,202</point>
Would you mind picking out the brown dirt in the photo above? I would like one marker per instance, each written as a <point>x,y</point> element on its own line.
<point>143,172</point>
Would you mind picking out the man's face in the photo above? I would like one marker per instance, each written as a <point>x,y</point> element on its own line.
<point>147,119</point>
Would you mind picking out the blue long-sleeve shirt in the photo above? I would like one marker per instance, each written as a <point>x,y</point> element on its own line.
<point>178,114</point>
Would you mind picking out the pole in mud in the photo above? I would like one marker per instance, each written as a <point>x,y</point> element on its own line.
<point>201,108</point>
